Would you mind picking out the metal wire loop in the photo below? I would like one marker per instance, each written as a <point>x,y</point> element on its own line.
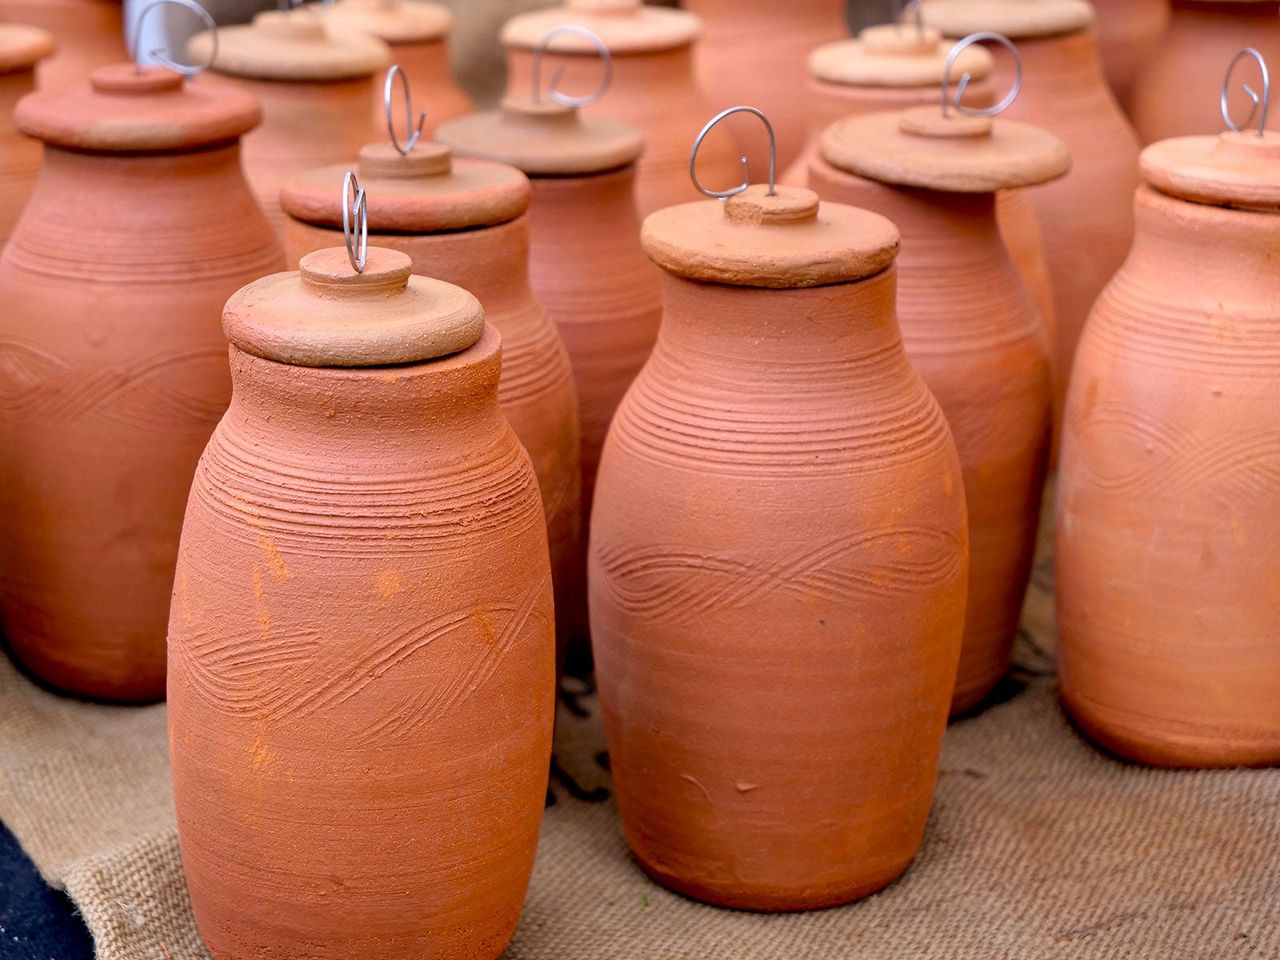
<point>958,101</point>
<point>553,92</point>
<point>413,133</point>
<point>902,9</point>
<point>355,205</point>
<point>1263,101</point>
<point>746,170</point>
<point>159,55</point>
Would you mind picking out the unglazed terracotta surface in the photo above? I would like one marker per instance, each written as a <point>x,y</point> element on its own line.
<point>777,566</point>
<point>1192,59</point>
<point>21,48</point>
<point>756,52</point>
<point>1168,527</point>
<point>115,364</point>
<point>1129,32</point>
<point>362,667</point>
<point>89,34</point>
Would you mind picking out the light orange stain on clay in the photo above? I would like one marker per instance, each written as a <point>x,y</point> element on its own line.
<point>260,603</point>
<point>259,756</point>
<point>275,562</point>
<point>485,627</point>
<point>387,583</point>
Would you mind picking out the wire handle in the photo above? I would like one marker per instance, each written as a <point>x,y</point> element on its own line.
<point>746,170</point>
<point>1264,101</point>
<point>957,102</point>
<point>159,55</point>
<point>355,205</point>
<point>902,9</point>
<point>413,133</point>
<point>606,58</point>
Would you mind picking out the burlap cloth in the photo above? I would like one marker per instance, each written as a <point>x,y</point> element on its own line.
<point>1039,846</point>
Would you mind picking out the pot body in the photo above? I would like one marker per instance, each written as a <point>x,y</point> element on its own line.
<point>1194,55</point>
<point>741,37</point>
<point>1168,532</point>
<point>19,155</point>
<point>89,34</point>
<point>657,94</point>
<point>536,392</point>
<point>778,563</point>
<point>972,333</point>
<point>426,63</point>
<point>1128,33</point>
<point>362,668</point>
<point>114,280</point>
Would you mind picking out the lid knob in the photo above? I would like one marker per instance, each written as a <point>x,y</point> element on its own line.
<point>288,26</point>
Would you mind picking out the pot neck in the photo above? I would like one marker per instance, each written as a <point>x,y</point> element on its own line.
<point>567,213</point>
<point>490,262</point>
<point>1069,83</point>
<point>13,87</point>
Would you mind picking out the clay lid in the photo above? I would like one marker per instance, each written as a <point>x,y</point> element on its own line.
<point>395,21</point>
<point>426,192</point>
<point>625,26</point>
<point>127,110</point>
<point>328,315</point>
<point>785,241</point>
<point>958,153</point>
<point>1233,169</point>
<point>543,139</point>
<point>1016,19</point>
<point>22,47</point>
<point>292,46</point>
<point>889,56</point>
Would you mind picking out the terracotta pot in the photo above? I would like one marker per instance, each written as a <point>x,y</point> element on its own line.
<point>743,36</point>
<point>778,563</point>
<point>971,330</point>
<point>585,261</point>
<point>417,33</point>
<point>88,33</point>
<point>1087,217</point>
<point>1128,33</point>
<point>362,652</point>
<point>21,48</point>
<point>653,88</point>
<point>315,86</point>
<point>1168,497</point>
<point>139,226</point>
<point>465,222</point>
<point>1177,91</point>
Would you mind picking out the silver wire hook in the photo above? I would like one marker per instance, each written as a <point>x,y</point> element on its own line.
<point>746,170</point>
<point>355,204</point>
<point>606,58</point>
<point>905,8</point>
<point>414,133</point>
<point>1264,101</point>
<point>957,102</point>
<point>161,57</point>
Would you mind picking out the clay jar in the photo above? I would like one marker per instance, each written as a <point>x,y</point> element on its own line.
<point>1177,91</point>
<point>970,329</point>
<point>1087,216</point>
<point>653,88</point>
<point>417,33</point>
<point>585,261</point>
<point>21,48</point>
<point>139,227</point>
<point>88,33</point>
<point>466,222</point>
<point>315,85</point>
<point>1168,526</point>
<point>777,564</point>
<point>1128,33</point>
<point>362,652</point>
<point>756,52</point>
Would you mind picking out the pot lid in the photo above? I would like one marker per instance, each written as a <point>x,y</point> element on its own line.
<point>22,47</point>
<point>543,138</point>
<point>1016,19</point>
<point>328,315</point>
<point>427,191</point>
<point>785,241</point>
<point>1234,169</point>
<point>958,153</point>
<point>625,26</point>
<point>292,46</point>
<point>394,21</point>
<point>891,56</point>
<point>127,109</point>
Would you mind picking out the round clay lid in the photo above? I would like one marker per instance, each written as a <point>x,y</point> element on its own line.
<point>427,191</point>
<point>1016,19</point>
<point>125,109</point>
<point>328,315</point>
<point>785,241</point>
<point>1233,169</point>
<point>543,139</point>
<point>394,21</point>
<point>892,56</point>
<point>22,47</point>
<point>625,26</point>
<point>958,153</point>
<point>292,46</point>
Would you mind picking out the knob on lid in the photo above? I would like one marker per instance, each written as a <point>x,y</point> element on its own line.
<point>625,26</point>
<point>1234,169</point>
<point>292,46</point>
<point>1016,19</point>
<point>22,47</point>
<point>394,21</point>
<point>894,56</point>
